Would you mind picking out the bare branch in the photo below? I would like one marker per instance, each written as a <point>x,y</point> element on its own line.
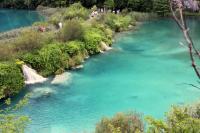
<point>183,26</point>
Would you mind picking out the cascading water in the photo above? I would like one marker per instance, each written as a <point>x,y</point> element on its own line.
<point>105,46</point>
<point>32,76</point>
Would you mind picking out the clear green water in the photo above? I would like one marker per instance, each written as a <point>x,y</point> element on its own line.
<point>12,19</point>
<point>147,71</point>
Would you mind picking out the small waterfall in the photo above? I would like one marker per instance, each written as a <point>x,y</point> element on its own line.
<point>32,76</point>
<point>105,47</point>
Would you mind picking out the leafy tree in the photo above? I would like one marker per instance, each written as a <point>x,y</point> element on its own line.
<point>100,3</point>
<point>147,6</point>
<point>109,4</point>
<point>161,6</point>
<point>13,123</point>
<point>135,4</point>
<point>178,121</point>
<point>88,3</point>
<point>60,3</point>
<point>120,4</point>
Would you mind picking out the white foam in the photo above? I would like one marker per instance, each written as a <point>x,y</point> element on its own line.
<point>61,78</point>
<point>42,92</point>
<point>105,46</point>
<point>32,76</point>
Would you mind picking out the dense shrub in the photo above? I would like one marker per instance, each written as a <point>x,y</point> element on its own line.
<point>73,48</point>
<point>179,120</point>
<point>56,18</point>
<point>140,5</point>
<point>6,52</point>
<point>121,123</point>
<point>92,39</point>
<point>56,57</point>
<point>28,41</point>
<point>194,110</point>
<point>161,7</point>
<point>76,11</point>
<point>41,24</point>
<point>48,60</point>
<point>11,79</point>
<point>117,22</point>
<point>106,32</point>
<point>34,60</point>
<point>52,59</point>
<point>72,30</point>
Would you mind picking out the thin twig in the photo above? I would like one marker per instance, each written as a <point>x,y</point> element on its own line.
<point>183,26</point>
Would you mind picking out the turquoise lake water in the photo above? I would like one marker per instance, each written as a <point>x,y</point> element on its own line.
<point>12,19</point>
<point>146,71</point>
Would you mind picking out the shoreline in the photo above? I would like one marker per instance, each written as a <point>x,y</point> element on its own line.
<point>99,30</point>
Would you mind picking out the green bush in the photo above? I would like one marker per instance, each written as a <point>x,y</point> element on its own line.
<point>52,59</point>
<point>45,24</point>
<point>117,22</point>
<point>73,48</point>
<point>161,7</point>
<point>56,57</point>
<point>92,39</point>
<point>121,123</point>
<point>11,79</point>
<point>6,52</point>
<point>77,52</point>
<point>76,11</point>
<point>48,60</point>
<point>28,41</point>
<point>56,18</point>
<point>34,60</point>
<point>106,32</point>
<point>179,120</point>
<point>72,30</point>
